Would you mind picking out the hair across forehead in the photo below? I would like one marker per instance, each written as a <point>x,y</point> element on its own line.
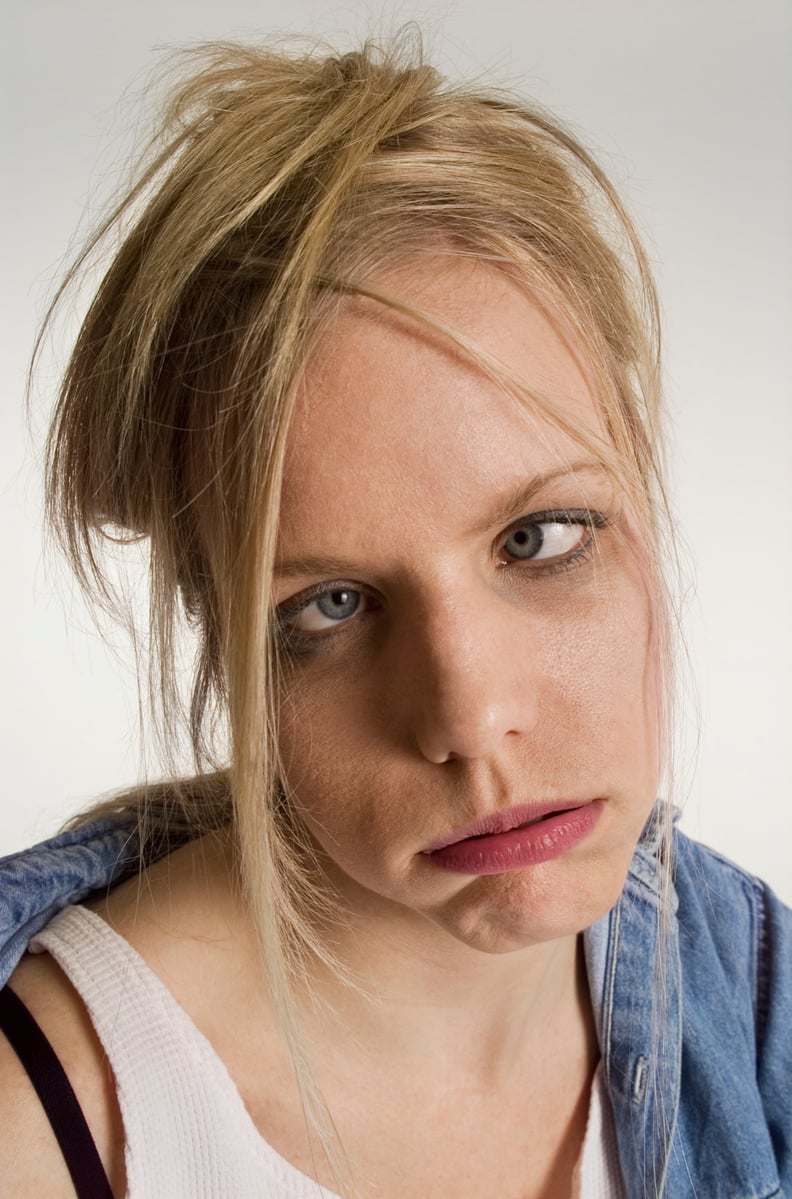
<point>284,180</point>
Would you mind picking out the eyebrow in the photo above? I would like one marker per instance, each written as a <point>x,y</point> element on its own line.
<point>312,564</point>
<point>518,501</point>
<point>513,506</point>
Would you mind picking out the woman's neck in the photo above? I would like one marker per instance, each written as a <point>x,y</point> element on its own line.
<point>425,1001</point>
<point>428,1000</point>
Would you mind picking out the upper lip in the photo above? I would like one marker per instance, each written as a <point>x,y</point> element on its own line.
<point>501,822</point>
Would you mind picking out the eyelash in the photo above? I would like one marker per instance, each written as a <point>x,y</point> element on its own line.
<point>300,643</point>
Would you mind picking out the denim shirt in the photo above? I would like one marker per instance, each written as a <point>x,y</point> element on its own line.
<point>701,1088</point>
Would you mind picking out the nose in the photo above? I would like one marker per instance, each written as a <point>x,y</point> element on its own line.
<point>466,677</point>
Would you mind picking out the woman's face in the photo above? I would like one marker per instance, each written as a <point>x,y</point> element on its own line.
<point>456,645</point>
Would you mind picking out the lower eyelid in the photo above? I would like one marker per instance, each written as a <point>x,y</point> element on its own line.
<point>539,568</point>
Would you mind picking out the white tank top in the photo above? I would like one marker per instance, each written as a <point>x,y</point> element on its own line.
<point>188,1134</point>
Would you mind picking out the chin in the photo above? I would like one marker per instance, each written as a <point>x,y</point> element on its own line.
<point>507,912</point>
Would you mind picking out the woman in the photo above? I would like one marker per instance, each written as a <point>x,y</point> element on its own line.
<point>375,372</point>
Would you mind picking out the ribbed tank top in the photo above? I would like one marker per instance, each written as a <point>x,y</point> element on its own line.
<point>188,1134</point>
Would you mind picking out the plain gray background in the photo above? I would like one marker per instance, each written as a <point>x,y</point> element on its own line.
<point>688,103</point>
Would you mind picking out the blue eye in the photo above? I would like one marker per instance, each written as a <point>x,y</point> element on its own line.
<point>325,610</point>
<point>338,605</point>
<point>525,542</point>
<point>550,537</point>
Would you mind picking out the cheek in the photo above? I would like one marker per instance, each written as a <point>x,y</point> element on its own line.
<point>342,775</point>
<point>604,670</point>
<point>598,674</point>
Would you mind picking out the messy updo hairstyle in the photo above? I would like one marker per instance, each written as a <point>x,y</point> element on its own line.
<point>278,184</point>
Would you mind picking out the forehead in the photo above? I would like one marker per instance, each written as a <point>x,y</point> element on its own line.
<point>391,411</point>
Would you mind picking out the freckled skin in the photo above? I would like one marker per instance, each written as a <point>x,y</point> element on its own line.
<point>469,685</point>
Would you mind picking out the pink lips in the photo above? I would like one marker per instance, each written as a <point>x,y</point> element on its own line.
<point>522,836</point>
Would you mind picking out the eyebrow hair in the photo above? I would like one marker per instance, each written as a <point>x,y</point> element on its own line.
<point>516,503</point>
<point>311,564</point>
<point>513,506</point>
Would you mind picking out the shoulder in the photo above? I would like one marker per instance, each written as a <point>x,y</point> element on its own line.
<point>720,900</point>
<point>31,1160</point>
<point>733,924</point>
<point>720,912</point>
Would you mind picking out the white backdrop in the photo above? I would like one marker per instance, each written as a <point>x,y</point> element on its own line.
<point>689,105</point>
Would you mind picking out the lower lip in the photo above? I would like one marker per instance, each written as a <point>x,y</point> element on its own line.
<point>520,847</point>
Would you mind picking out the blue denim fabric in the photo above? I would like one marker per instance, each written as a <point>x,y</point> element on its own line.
<point>38,882</point>
<point>701,1090</point>
<point>702,1103</point>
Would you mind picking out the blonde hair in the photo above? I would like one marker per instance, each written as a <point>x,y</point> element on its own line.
<point>278,184</point>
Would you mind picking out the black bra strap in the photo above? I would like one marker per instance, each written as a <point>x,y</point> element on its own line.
<point>57,1097</point>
